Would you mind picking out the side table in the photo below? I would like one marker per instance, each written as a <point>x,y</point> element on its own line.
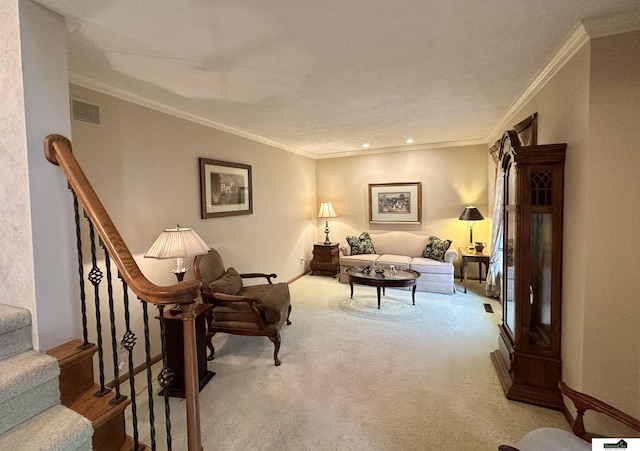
<point>326,259</point>
<point>175,352</point>
<point>467,256</point>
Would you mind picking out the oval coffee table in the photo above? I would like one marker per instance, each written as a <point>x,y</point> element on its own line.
<point>402,278</point>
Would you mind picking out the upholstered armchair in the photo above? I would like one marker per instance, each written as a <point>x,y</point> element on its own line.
<point>558,439</point>
<point>256,310</point>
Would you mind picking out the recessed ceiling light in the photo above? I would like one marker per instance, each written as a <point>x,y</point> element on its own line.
<point>409,141</point>
<point>365,145</point>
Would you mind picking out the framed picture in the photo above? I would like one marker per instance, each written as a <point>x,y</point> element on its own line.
<point>225,188</point>
<point>395,203</point>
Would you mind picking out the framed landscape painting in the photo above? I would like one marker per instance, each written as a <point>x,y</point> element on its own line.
<point>225,188</point>
<point>395,203</point>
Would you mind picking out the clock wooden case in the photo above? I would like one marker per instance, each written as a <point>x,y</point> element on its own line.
<point>528,356</point>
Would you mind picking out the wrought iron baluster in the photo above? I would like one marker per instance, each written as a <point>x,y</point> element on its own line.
<point>165,377</point>
<point>83,296</point>
<point>128,342</point>
<point>118,398</point>
<point>147,350</point>
<point>95,277</point>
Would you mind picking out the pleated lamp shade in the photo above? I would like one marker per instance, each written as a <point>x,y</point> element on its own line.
<point>177,243</point>
<point>326,210</point>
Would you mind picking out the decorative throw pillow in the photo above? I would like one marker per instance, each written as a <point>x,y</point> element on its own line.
<point>229,283</point>
<point>361,244</point>
<point>436,248</point>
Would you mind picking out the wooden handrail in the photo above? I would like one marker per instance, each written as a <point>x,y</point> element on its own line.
<point>584,402</point>
<point>57,150</point>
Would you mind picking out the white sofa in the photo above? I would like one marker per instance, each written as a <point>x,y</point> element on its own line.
<point>404,250</point>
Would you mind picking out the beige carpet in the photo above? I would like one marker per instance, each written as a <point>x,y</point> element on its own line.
<point>357,378</point>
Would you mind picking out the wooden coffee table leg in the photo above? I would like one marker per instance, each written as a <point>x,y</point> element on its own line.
<point>413,294</point>
<point>378,289</point>
<point>351,285</point>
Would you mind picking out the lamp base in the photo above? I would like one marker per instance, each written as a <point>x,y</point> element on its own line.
<point>180,275</point>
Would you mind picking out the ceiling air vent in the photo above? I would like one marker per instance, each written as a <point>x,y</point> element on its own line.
<point>85,112</point>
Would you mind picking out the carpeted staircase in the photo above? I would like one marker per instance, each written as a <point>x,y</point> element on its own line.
<point>31,416</point>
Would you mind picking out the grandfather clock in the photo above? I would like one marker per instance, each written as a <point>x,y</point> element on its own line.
<point>528,356</point>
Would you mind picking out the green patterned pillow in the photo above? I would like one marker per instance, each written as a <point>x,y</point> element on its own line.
<point>436,248</point>
<point>361,244</point>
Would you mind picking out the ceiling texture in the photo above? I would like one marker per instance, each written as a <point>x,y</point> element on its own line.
<point>322,78</point>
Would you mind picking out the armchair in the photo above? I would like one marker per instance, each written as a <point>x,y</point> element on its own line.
<point>255,310</point>
<point>557,439</point>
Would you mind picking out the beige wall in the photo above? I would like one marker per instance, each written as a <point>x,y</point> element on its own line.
<point>17,277</point>
<point>144,166</point>
<point>612,307</point>
<point>592,105</point>
<point>37,263</point>
<point>451,178</point>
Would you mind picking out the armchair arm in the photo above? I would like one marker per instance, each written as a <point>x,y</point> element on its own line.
<point>251,275</point>
<point>584,402</point>
<point>231,298</point>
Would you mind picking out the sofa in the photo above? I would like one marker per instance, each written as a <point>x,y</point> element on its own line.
<point>403,250</point>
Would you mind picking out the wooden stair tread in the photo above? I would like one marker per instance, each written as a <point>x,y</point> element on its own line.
<point>71,351</point>
<point>98,409</point>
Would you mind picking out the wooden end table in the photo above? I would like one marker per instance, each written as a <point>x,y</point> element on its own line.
<point>467,256</point>
<point>326,259</point>
<point>402,278</point>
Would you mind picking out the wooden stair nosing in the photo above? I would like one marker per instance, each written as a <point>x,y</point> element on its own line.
<point>98,409</point>
<point>71,351</point>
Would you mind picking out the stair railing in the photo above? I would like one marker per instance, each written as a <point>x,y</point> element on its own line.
<point>58,151</point>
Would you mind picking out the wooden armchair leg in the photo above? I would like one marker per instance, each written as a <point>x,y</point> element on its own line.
<point>212,350</point>
<point>276,341</point>
<point>288,314</point>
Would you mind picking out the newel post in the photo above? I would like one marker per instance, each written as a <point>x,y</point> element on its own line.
<point>192,391</point>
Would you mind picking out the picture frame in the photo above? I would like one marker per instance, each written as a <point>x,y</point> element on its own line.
<point>225,189</point>
<point>395,203</point>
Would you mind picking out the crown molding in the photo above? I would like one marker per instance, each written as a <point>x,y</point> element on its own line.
<point>90,83</point>
<point>590,28</point>
<point>571,46</point>
<point>423,146</point>
<point>612,23</point>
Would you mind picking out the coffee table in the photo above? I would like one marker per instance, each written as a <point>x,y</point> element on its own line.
<point>401,278</point>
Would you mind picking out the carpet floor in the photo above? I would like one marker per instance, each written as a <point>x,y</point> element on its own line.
<point>357,378</point>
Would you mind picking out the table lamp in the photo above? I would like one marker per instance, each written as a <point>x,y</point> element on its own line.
<point>471,214</point>
<point>178,243</point>
<point>326,212</point>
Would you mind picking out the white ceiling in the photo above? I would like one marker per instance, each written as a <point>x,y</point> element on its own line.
<point>324,77</point>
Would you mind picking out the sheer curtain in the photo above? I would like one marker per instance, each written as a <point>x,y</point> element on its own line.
<point>527,132</point>
<point>495,260</point>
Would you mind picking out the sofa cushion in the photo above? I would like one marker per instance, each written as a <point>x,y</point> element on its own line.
<point>359,260</point>
<point>428,265</point>
<point>436,248</point>
<point>399,243</point>
<point>361,244</point>
<point>229,283</point>
<point>399,261</point>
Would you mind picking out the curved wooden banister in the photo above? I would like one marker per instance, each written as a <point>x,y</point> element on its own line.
<point>57,149</point>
